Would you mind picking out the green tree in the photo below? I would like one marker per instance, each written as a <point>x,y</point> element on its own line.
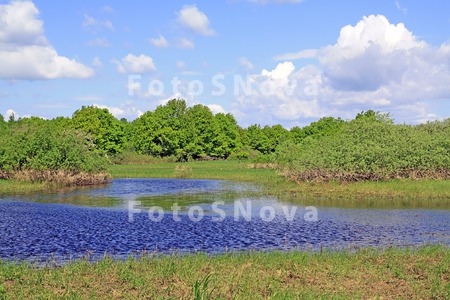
<point>276,135</point>
<point>227,139</point>
<point>327,126</point>
<point>201,131</point>
<point>258,140</point>
<point>144,134</point>
<point>107,132</point>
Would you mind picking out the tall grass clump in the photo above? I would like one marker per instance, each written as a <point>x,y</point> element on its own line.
<point>371,148</point>
<point>38,150</point>
<point>182,171</point>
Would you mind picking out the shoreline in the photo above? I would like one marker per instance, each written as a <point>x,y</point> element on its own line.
<point>404,193</point>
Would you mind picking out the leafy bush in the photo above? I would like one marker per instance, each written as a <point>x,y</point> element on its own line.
<point>371,148</point>
<point>38,145</point>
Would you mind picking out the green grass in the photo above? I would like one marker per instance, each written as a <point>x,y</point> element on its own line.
<point>394,193</point>
<point>21,187</point>
<point>422,273</point>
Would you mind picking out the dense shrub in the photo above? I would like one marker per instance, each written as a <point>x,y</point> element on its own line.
<point>40,150</point>
<point>371,148</point>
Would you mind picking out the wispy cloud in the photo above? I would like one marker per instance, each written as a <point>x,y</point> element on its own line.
<point>99,42</point>
<point>404,10</point>
<point>309,53</point>
<point>184,43</point>
<point>94,25</point>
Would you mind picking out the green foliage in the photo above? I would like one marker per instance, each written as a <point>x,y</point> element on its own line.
<point>372,147</point>
<point>107,132</point>
<point>37,144</point>
<point>324,127</point>
<point>194,132</point>
<point>2,121</point>
<point>258,139</point>
<point>227,139</point>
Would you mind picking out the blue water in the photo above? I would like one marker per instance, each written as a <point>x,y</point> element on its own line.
<point>31,229</point>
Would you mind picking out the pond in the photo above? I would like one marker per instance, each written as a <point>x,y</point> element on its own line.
<point>132,216</point>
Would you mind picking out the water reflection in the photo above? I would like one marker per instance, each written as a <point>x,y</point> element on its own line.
<point>97,220</point>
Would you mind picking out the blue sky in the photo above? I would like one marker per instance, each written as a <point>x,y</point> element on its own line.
<point>283,62</point>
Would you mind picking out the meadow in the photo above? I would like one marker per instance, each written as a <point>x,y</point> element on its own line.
<point>413,273</point>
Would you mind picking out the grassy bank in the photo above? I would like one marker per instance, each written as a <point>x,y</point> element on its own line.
<point>11,186</point>
<point>400,193</point>
<point>368,274</point>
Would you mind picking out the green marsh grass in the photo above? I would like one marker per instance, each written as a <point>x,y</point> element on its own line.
<point>413,273</point>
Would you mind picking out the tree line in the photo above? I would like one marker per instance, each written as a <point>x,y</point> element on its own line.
<point>370,146</point>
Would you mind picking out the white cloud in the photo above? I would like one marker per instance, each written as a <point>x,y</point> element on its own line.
<point>24,50</point>
<point>373,65</point>
<point>99,42</point>
<point>371,54</point>
<point>115,111</point>
<point>10,112</point>
<point>244,62</point>
<point>194,19</point>
<point>94,25</point>
<point>278,95</point>
<point>135,64</point>
<point>216,108</point>
<point>126,110</point>
<point>184,43</point>
<point>159,42</point>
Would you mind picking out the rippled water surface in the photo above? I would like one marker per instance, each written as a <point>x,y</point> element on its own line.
<point>99,220</point>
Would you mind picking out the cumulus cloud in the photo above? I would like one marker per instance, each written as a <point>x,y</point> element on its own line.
<point>279,95</point>
<point>373,65</point>
<point>371,54</point>
<point>159,42</point>
<point>25,52</point>
<point>135,64</point>
<point>10,112</point>
<point>126,110</point>
<point>216,108</point>
<point>194,19</point>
